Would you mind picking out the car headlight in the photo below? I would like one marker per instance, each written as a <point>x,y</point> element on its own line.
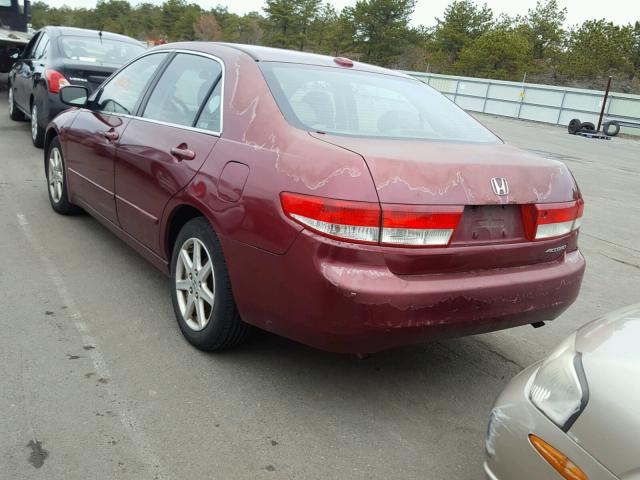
<point>559,389</point>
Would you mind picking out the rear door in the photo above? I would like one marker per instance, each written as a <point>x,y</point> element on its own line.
<point>167,143</point>
<point>24,71</point>
<point>92,140</point>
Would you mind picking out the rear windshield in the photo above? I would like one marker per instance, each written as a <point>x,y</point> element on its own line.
<point>364,104</point>
<point>97,50</point>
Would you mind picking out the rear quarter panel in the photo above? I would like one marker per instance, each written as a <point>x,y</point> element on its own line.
<point>279,157</point>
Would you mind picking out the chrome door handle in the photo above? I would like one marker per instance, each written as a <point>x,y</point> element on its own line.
<point>110,135</point>
<point>183,153</point>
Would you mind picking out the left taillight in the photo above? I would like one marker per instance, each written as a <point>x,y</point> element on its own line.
<point>418,225</point>
<point>549,220</point>
<point>55,80</point>
<point>367,222</point>
<point>343,219</point>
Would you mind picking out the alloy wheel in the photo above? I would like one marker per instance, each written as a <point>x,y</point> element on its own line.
<point>34,121</point>
<point>55,172</point>
<point>195,284</point>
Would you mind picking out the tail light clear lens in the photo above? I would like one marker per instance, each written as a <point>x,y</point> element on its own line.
<point>365,222</point>
<point>419,226</point>
<point>55,80</point>
<point>548,220</point>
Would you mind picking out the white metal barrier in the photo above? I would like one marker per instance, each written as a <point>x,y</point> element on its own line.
<point>531,101</point>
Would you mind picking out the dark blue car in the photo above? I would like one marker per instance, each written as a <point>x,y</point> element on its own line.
<point>59,56</point>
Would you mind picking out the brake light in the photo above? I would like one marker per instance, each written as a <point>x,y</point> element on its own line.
<point>419,226</point>
<point>548,220</point>
<point>366,222</point>
<point>55,80</point>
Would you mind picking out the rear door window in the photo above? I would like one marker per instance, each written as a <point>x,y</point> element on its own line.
<point>211,116</point>
<point>31,46</point>
<point>123,91</point>
<point>41,49</point>
<point>181,91</point>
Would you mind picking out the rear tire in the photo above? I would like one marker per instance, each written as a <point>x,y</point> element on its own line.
<point>15,113</point>
<point>588,126</point>
<point>56,180</point>
<point>37,132</point>
<point>201,290</point>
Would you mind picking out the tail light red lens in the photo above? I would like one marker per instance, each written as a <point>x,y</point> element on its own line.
<point>55,80</point>
<point>548,220</point>
<point>397,225</point>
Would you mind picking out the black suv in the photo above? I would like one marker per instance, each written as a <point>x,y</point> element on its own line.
<point>59,56</point>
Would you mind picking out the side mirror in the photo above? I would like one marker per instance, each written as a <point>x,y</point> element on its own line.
<point>74,95</point>
<point>13,53</point>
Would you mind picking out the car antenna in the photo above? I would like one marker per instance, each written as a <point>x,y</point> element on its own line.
<point>100,35</point>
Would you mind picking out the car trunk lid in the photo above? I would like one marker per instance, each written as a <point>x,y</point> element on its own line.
<point>87,74</point>
<point>413,172</point>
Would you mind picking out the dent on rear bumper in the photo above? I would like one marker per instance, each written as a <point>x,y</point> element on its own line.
<point>347,300</point>
<point>509,454</point>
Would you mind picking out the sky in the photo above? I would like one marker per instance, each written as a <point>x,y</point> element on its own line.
<point>619,11</point>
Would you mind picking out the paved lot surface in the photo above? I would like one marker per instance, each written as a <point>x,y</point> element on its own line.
<point>97,382</point>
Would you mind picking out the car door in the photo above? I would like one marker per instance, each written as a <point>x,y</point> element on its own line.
<point>167,143</point>
<point>92,140</point>
<point>23,72</point>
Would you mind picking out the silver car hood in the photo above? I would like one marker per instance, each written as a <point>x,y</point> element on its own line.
<point>609,427</point>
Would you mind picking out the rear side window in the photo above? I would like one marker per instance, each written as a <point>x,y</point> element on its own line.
<point>124,90</point>
<point>211,116</point>
<point>184,86</point>
<point>365,104</point>
<point>31,46</point>
<point>41,49</point>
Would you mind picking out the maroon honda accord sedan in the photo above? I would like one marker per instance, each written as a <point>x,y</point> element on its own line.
<point>346,206</point>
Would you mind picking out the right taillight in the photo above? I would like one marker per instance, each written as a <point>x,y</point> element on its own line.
<point>367,222</point>
<point>55,80</point>
<point>549,220</point>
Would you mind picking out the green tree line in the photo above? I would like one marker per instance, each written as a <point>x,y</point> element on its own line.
<point>467,39</point>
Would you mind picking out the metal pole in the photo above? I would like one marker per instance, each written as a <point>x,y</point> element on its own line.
<point>604,103</point>
<point>522,94</point>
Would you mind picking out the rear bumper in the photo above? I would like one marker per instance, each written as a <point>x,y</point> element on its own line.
<point>347,300</point>
<point>509,454</point>
<point>50,108</point>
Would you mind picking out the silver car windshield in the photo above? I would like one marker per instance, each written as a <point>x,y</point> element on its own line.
<point>363,104</point>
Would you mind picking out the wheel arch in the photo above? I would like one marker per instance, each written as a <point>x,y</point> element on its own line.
<point>50,134</point>
<point>177,219</point>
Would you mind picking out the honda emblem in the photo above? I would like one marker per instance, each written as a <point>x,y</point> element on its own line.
<point>500,186</point>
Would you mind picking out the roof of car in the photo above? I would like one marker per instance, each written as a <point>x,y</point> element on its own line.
<point>83,32</point>
<point>270,54</point>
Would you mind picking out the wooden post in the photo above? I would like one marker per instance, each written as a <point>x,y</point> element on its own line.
<point>604,103</point>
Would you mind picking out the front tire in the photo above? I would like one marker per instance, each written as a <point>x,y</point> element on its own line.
<point>15,113</point>
<point>201,290</point>
<point>37,132</point>
<point>56,182</point>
